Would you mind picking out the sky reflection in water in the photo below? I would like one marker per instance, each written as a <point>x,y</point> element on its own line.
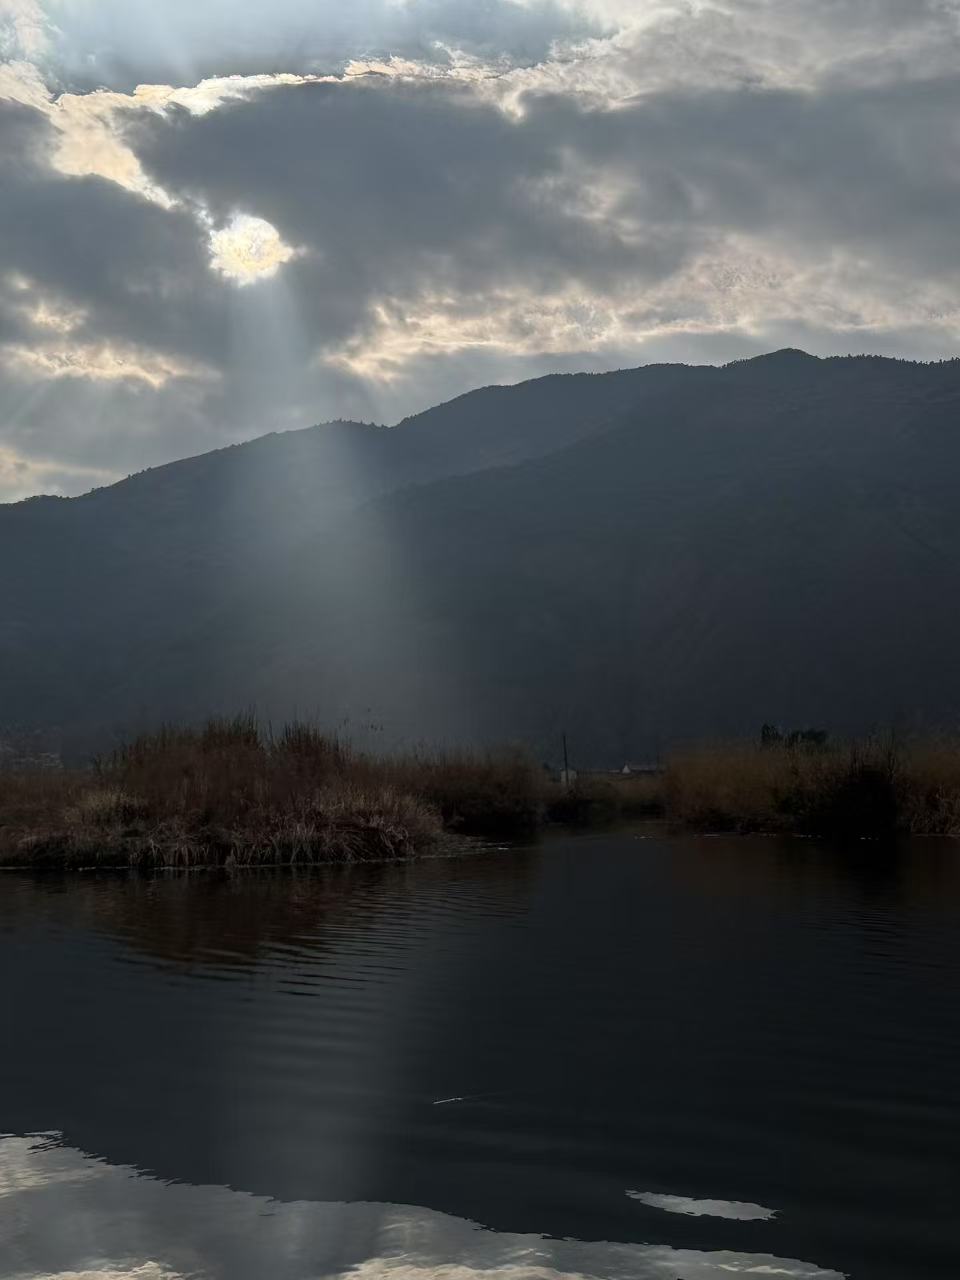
<point>737,1210</point>
<point>65,1214</point>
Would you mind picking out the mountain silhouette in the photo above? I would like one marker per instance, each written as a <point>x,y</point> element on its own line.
<point>637,558</point>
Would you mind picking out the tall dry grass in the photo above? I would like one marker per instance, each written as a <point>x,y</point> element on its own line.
<point>228,792</point>
<point>483,792</point>
<point>875,787</point>
<point>223,793</point>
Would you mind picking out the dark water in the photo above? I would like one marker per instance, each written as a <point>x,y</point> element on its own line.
<point>607,1056</point>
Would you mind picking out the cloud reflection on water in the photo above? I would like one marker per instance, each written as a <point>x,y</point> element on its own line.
<point>67,1215</point>
<point>739,1210</point>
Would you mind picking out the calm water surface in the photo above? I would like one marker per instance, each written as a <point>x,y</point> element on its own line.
<point>608,1056</point>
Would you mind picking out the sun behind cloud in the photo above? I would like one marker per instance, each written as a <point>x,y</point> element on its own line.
<point>248,249</point>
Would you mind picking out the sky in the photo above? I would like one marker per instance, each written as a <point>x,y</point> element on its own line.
<point>225,218</point>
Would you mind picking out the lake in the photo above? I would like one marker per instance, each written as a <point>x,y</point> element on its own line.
<point>614,1055</point>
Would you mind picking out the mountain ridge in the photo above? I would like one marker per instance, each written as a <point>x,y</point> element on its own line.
<point>482,397</point>
<point>610,555</point>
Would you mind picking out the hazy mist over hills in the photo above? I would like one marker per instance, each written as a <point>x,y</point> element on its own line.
<point>635,557</point>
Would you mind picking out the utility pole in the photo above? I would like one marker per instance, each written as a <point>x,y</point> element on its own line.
<point>566,763</point>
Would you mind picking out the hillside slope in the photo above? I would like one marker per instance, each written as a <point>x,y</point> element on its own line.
<point>95,587</point>
<point>701,550</point>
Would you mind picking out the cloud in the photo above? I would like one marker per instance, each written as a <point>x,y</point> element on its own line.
<point>104,361</point>
<point>452,224</point>
<point>125,42</point>
<point>358,214</point>
<point>20,477</point>
<point>87,129</point>
<point>25,29</point>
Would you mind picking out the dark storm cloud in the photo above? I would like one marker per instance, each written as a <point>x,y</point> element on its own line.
<point>877,168</point>
<point>139,269</point>
<point>400,187</point>
<point>393,185</point>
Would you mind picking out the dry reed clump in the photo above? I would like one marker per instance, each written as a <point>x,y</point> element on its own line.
<point>105,807</point>
<point>929,788</point>
<point>28,798</point>
<point>227,794</point>
<point>223,793</point>
<point>483,792</point>
<point>876,787</point>
<point>740,786</point>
